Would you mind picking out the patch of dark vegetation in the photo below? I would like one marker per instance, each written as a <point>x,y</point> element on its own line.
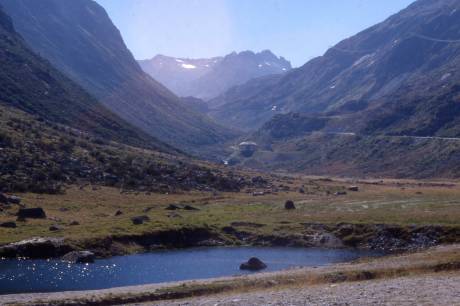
<point>44,159</point>
<point>247,224</point>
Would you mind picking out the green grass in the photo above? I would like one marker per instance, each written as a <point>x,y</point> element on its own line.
<point>95,209</point>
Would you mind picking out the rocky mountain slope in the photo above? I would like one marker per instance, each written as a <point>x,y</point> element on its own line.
<point>393,75</point>
<point>41,157</point>
<point>31,84</point>
<point>78,37</point>
<point>385,102</point>
<point>207,78</point>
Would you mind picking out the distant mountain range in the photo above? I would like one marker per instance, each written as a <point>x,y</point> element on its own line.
<point>78,38</point>
<point>207,78</point>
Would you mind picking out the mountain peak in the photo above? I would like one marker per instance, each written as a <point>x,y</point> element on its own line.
<point>207,78</point>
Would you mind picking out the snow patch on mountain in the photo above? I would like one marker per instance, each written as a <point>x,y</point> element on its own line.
<point>188,66</point>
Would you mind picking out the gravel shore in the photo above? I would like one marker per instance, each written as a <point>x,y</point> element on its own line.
<point>437,289</point>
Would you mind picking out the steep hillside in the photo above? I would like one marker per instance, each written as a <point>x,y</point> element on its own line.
<point>78,37</point>
<point>31,84</point>
<point>208,78</point>
<point>391,71</point>
<point>42,157</point>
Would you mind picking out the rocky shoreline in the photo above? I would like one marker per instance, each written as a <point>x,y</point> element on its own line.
<point>382,237</point>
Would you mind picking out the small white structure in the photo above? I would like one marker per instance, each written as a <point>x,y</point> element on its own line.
<point>247,148</point>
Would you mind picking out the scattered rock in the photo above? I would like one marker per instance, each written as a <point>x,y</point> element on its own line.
<point>301,190</point>
<point>55,228</point>
<point>289,205</point>
<point>188,207</point>
<point>14,200</point>
<point>340,193</point>
<point>174,215</point>
<point>118,213</point>
<point>258,193</point>
<point>253,264</point>
<point>74,223</point>
<point>31,213</point>
<point>353,188</point>
<point>63,209</point>
<point>172,207</point>
<point>79,257</point>
<point>8,224</point>
<point>147,209</point>
<point>140,220</point>
<point>3,198</point>
<point>7,199</point>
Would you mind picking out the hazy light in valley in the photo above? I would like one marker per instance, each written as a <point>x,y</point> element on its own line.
<point>295,29</point>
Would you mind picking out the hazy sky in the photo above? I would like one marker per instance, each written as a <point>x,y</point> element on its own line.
<point>295,29</point>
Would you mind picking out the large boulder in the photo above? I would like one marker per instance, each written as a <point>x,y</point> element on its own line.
<point>41,247</point>
<point>31,213</point>
<point>140,220</point>
<point>253,264</point>
<point>8,224</point>
<point>79,257</point>
<point>289,205</point>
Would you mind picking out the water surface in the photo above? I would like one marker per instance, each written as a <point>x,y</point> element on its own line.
<point>20,276</point>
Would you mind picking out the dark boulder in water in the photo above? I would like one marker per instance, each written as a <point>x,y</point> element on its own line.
<point>253,264</point>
